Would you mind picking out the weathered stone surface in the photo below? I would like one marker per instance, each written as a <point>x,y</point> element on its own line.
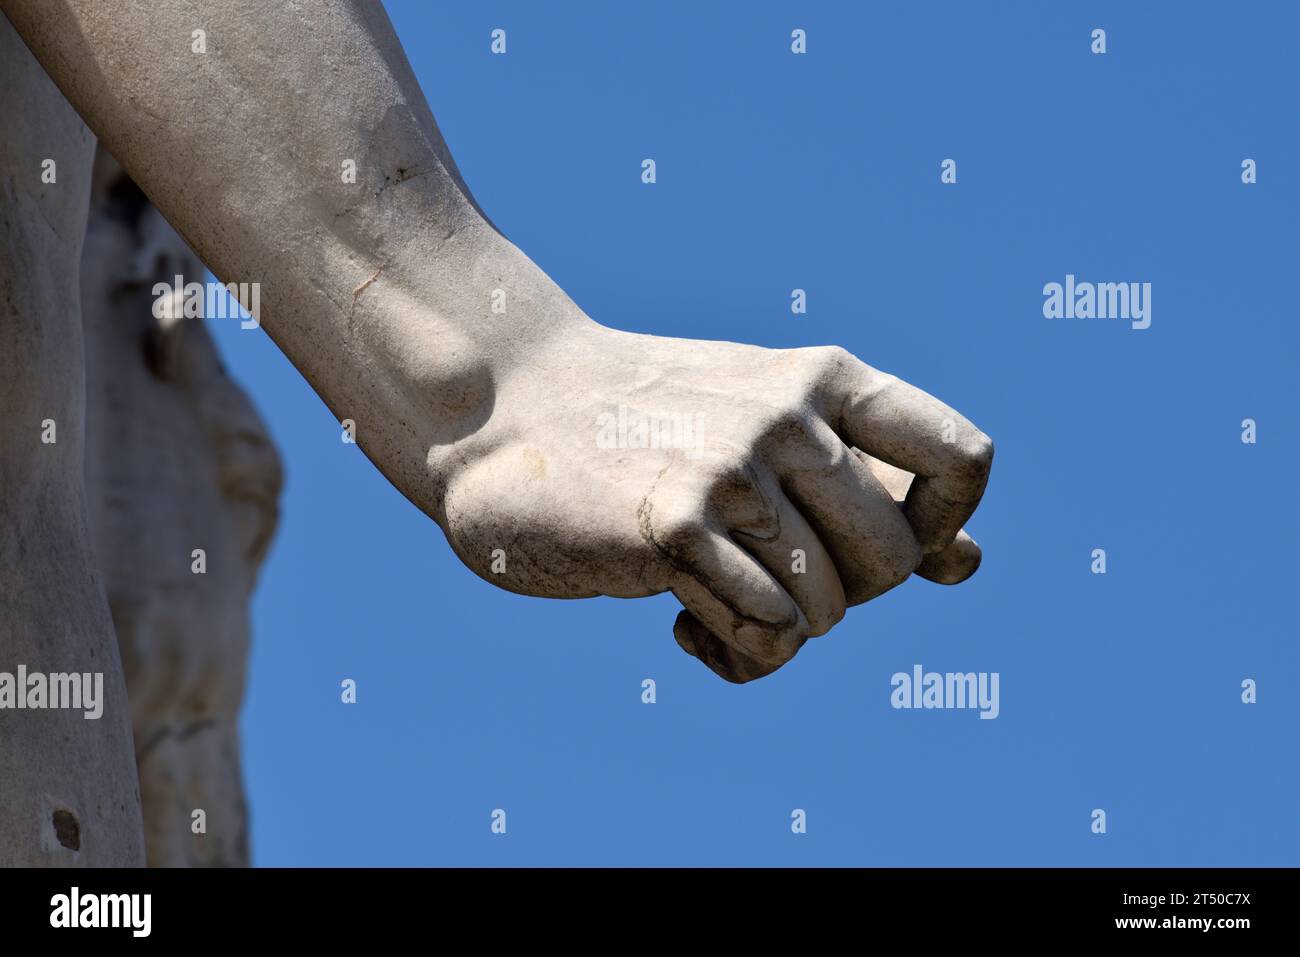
<point>68,788</point>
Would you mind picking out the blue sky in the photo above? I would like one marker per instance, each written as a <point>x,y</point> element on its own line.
<point>822,171</point>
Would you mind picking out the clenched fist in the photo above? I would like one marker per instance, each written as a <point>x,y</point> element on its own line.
<point>767,489</point>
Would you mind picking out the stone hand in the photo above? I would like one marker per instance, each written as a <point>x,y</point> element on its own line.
<point>766,489</point>
<point>516,428</point>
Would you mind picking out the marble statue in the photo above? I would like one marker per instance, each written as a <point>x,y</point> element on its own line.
<point>473,382</point>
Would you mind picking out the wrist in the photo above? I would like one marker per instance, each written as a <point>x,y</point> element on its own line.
<point>437,337</point>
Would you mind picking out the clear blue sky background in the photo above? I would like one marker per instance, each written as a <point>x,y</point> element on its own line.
<point>821,171</point>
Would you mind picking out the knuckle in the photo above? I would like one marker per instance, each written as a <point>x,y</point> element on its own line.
<point>739,497</point>
<point>675,529</point>
<point>832,365</point>
<point>975,455</point>
<point>791,419</point>
<point>770,644</point>
<point>832,357</point>
<point>824,620</point>
<point>676,520</point>
<point>837,456</point>
<point>732,469</point>
<point>784,427</point>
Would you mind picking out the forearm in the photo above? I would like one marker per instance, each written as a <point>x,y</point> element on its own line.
<point>245,148</point>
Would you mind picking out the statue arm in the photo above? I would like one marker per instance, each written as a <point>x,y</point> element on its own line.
<point>248,149</point>
<point>562,458</point>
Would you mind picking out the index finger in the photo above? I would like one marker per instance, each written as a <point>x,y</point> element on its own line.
<point>898,423</point>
